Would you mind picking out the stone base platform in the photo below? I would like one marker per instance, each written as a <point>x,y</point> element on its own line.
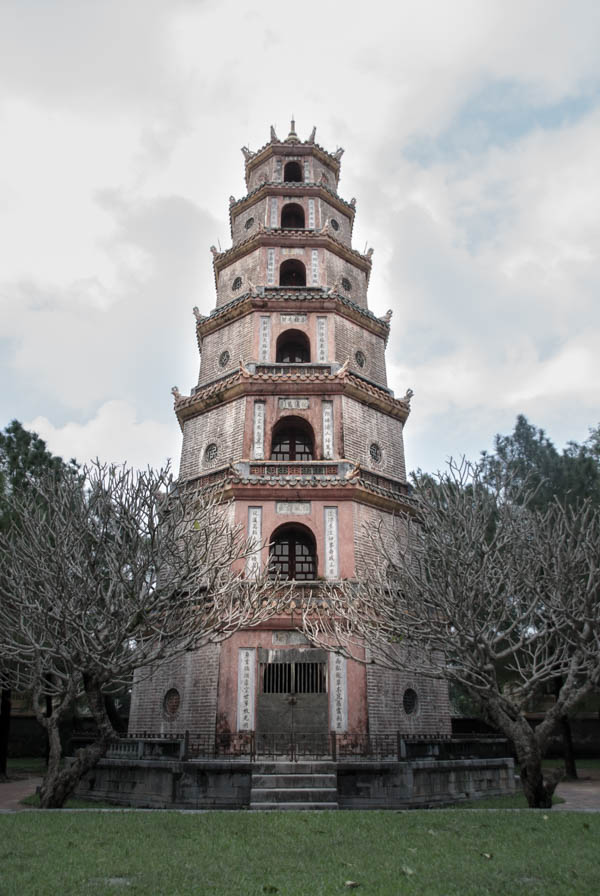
<point>360,784</point>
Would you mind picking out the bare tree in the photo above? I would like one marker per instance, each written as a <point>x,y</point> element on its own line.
<point>108,572</point>
<point>486,593</point>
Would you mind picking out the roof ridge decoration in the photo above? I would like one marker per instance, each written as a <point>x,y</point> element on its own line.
<point>292,138</point>
<point>290,185</point>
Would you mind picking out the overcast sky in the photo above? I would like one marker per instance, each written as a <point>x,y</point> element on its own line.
<point>472,138</point>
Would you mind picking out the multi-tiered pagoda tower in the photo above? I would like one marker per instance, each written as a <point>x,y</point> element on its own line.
<point>293,417</point>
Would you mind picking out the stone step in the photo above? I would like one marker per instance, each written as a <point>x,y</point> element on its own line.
<point>293,794</point>
<point>294,806</point>
<point>314,767</point>
<point>302,780</point>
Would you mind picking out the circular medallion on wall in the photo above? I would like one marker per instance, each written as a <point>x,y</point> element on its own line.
<point>346,285</point>
<point>224,358</point>
<point>360,358</point>
<point>237,284</point>
<point>410,701</point>
<point>249,223</point>
<point>335,224</point>
<point>375,452</point>
<point>210,453</point>
<point>171,703</point>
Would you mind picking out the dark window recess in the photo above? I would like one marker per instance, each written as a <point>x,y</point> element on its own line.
<point>249,223</point>
<point>292,173</point>
<point>293,347</point>
<point>211,452</point>
<point>346,285</point>
<point>292,217</point>
<point>375,452</point>
<point>292,441</point>
<point>409,701</point>
<point>292,555</point>
<point>171,703</point>
<point>335,224</point>
<point>237,284</point>
<point>293,678</point>
<point>224,358</point>
<point>360,358</point>
<point>292,273</point>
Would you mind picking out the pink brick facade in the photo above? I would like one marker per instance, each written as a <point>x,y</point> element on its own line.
<point>293,415</point>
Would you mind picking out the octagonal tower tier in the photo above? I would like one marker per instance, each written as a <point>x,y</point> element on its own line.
<point>293,419</point>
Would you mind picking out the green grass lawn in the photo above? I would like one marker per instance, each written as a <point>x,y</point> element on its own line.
<point>439,853</point>
<point>32,765</point>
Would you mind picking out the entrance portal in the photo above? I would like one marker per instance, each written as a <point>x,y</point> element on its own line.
<point>292,711</point>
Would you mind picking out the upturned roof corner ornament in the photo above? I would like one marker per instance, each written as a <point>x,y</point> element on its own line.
<point>407,397</point>
<point>387,316</point>
<point>232,200</point>
<point>176,393</point>
<point>313,134</point>
<point>353,202</point>
<point>274,137</point>
<point>342,371</point>
<point>369,252</point>
<point>243,369</point>
<point>338,153</point>
<point>353,473</point>
<point>247,153</point>
<point>199,317</point>
<point>214,251</point>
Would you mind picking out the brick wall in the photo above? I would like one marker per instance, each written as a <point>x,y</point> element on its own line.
<point>237,338</point>
<point>363,426</point>
<point>368,522</point>
<point>257,211</point>
<point>349,338</point>
<point>336,268</point>
<point>223,426</point>
<point>385,691</point>
<point>195,677</point>
<point>247,267</point>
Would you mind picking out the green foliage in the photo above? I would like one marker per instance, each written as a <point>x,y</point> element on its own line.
<point>23,455</point>
<point>529,457</point>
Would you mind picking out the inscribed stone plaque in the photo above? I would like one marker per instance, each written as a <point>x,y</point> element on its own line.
<point>270,267</point>
<point>289,638</point>
<point>278,170</point>
<point>311,214</point>
<point>255,537</point>
<point>307,172</point>
<point>295,507</point>
<point>322,340</point>
<point>327,430</point>
<point>338,693</point>
<point>264,338</point>
<point>246,688</point>
<point>293,318</point>
<point>273,212</point>
<point>331,543</point>
<point>290,404</point>
<point>315,267</point>
<point>259,430</point>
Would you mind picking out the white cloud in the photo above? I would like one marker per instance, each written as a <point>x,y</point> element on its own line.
<point>114,435</point>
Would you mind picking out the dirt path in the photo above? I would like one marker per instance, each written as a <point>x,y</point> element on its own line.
<point>13,791</point>
<point>583,794</point>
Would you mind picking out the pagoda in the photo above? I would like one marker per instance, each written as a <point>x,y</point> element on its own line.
<point>293,420</point>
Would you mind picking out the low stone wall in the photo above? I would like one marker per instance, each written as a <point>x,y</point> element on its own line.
<point>361,784</point>
<point>421,783</point>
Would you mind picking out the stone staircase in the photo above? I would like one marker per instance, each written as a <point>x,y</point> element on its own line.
<point>294,785</point>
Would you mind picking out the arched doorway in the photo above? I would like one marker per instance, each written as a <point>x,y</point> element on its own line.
<point>292,273</point>
<point>292,439</point>
<point>292,216</point>
<point>293,347</point>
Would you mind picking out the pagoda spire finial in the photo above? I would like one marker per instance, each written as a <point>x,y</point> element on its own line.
<point>292,137</point>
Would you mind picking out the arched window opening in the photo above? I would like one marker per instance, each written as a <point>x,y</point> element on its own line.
<point>292,216</point>
<point>292,347</point>
<point>292,273</point>
<point>292,173</point>
<point>293,553</point>
<point>292,439</point>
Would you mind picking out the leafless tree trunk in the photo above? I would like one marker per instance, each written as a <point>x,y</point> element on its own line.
<point>483,592</point>
<point>108,573</point>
